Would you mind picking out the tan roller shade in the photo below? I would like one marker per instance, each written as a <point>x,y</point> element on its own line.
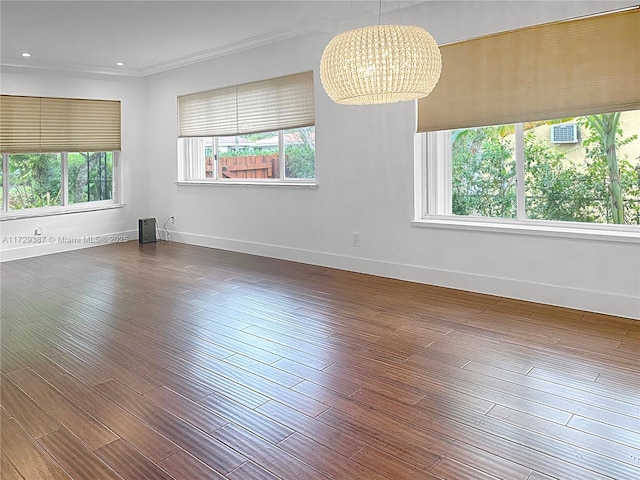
<point>556,70</point>
<point>44,124</point>
<point>275,104</point>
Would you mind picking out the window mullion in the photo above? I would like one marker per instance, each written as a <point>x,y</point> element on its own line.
<point>438,148</point>
<point>520,186</point>
<point>117,177</point>
<point>281,153</point>
<point>5,182</point>
<point>65,178</point>
<point>214,150</point>
<point>421,179</point>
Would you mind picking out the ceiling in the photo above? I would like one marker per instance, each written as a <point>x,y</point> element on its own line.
<point>153,36</point>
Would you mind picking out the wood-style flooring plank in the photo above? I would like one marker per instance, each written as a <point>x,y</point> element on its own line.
<point>33,418</point>
<point>27,458</point>
<point>205,419</point>
<point>606,431</point>
<point>4,415</point>
<point>75,457</point>
<point>329,461</point>
<point>130,463</point>
<point>251,420</point>
<point>127,426</point>
<point>568,435</point>
<point>449,469</point>
<point>9,362</point>
<point>35,360</point>
<point>173,361</point>
<point>8,471</point>
<point>112,366</point>
<point>321,377</point>
<point>314,429</point>
<point>183,466</point>
<point>206,448</point>
<point>82,370</point>
<point>250,471</point>
<point>93,433</point>
<point>270,457</point>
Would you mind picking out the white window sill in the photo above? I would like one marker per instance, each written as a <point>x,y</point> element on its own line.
<point>608,233</point>
<point>51,211</point>
<point>249,183</point>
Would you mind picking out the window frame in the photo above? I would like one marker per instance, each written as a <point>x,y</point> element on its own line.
<point>186,168</point>
<point>66,207</point>
<point>432,192</point>
<point>274,105</point>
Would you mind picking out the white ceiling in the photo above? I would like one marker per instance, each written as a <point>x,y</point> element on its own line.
<point>154,36</point>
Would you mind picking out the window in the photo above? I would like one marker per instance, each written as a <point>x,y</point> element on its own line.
<point>256,156</point>
<point>256,132</point>
<point>592,176</point>
<point>90,176</point>
<point>50,162</point>
<point>526,170</point>
<point>37,180</point>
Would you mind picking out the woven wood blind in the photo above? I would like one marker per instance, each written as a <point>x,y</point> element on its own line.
<point>556,70</point>
<point>268,105</point>
<point>45,124</point>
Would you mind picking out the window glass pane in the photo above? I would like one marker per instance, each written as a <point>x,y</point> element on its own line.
<point>584,169</point>
<point>90,176</point>
<point>483,171</point>
<point>35,180</point>
<point>198,156</point>
<point>250,156</point>
<point>209,158</point>
<point>300,152</point>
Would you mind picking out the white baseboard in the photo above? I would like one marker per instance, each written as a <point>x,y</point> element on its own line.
<point>557,295</point>
<point>49,244</point>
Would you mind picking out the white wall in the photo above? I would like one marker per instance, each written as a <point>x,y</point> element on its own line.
<point>120,221</point>
<point>365,177</point>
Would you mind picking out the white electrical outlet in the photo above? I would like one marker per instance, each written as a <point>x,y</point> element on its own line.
<point>356,239</point>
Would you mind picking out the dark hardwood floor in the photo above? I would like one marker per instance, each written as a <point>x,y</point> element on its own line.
<point>169,361</point>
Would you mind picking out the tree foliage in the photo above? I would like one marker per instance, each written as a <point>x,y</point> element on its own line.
<point>300,155</point>
<point>483,169</point>
<point>617,178</point>
<point>556,189</point>
<point>300,161</point>
<point>34,180</point>
<point>602,188</point>
<point>90,176</point>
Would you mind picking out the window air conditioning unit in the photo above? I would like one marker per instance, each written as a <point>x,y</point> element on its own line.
<point>564,133</point>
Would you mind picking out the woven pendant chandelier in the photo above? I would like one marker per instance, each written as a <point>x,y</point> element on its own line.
<point>380,64</point>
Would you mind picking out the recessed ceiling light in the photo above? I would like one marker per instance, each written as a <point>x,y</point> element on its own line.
<point>26,54</point>
<point>120,64</point>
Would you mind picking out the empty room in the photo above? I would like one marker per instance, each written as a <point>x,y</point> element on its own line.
<point>320,240</point>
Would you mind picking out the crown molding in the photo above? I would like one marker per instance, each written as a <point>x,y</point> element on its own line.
<point>17,66</point>
<point>235,47</point>
<point>33,66</point>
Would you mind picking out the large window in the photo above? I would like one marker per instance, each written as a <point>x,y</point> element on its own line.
<point>57,154</point>
<point>256,132</point>
<point>584,169</point>
<point>279,155</point>
<point>37,180</point>
<point>561,151</point>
